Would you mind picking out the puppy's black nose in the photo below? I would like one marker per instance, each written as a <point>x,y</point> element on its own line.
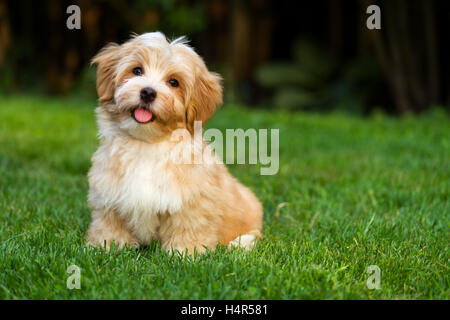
<point>148,94</point>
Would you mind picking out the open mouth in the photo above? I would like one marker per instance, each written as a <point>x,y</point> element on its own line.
<point>142,115</point>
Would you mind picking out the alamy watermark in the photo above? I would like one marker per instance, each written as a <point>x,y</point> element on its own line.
<point>374,280</point>
<point>374,20</point>
<point>74,20</point>
<point>74,280</point>
<point>195,152</point>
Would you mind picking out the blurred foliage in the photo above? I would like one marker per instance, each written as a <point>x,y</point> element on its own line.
<point>43,55</point>
<point>171,16</point>
<point>267,52</point>
<point>85,85</point>
<point>314,80</point>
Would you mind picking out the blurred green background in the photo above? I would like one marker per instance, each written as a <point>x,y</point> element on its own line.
<point>281,54</point>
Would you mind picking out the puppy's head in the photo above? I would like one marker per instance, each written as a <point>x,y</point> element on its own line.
<point>150,87</point>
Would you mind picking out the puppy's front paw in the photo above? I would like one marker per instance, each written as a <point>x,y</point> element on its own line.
<point>107,229</point>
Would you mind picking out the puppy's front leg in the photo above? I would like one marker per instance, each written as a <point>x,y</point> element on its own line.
<point>192,232</point>
<point>107,227</point>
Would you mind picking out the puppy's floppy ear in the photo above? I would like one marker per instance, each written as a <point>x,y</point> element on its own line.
<point>206,96</point>
<point>106,61</point>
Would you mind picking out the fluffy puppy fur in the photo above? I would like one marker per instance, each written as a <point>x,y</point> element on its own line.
<point>137,193</point>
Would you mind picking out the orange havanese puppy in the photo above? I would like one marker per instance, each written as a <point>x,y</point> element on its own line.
<point>148,88</point>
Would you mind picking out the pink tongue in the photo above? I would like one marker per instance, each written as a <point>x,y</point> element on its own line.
<point>142,115</point>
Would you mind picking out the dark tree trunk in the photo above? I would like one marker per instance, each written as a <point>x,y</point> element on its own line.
<point>407,52</point>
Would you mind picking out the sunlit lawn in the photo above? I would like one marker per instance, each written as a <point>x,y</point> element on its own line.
<point>359,192</point>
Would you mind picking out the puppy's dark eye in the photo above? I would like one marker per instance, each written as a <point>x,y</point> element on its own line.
<point>138,71</point>
<point>174,83</point>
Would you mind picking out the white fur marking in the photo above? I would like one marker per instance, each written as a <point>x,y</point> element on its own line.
<point>245,241</point>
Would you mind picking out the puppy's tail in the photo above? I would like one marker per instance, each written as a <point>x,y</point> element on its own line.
<point>246,241</point>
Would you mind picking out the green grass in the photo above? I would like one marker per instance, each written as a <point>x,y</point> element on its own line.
<point>360,192</point>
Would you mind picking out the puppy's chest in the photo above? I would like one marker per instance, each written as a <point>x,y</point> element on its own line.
<point>142,182</point>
